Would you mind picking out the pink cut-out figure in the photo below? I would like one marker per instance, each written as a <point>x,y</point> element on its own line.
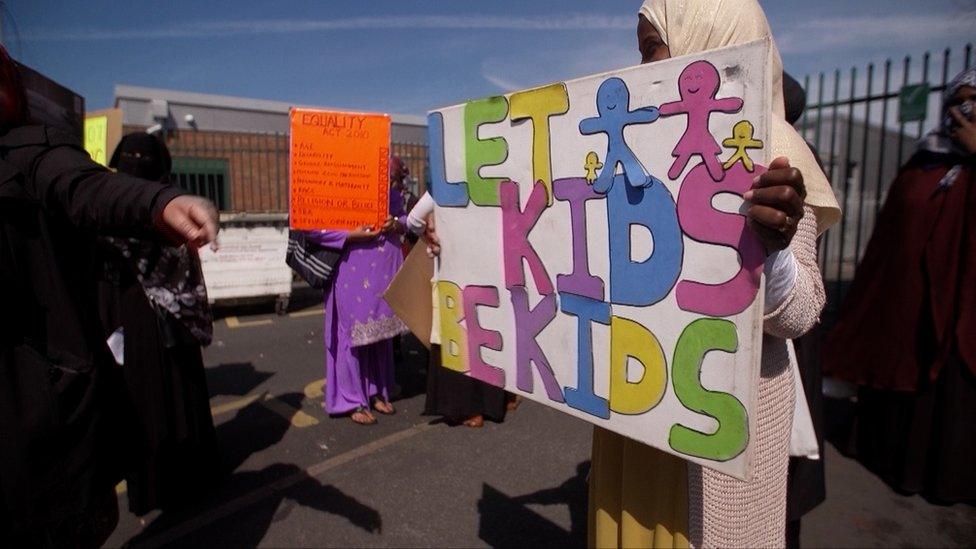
<point>698,84</point>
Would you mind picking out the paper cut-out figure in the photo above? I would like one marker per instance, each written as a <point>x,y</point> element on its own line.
<point>591,165</point>
<point>742,139</point>
<point>614,114</point>
<point>698,84</point>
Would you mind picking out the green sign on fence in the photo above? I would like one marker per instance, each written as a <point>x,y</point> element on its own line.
<point>913,102</point>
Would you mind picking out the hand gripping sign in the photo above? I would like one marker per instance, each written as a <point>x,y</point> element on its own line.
<point>594,256</point>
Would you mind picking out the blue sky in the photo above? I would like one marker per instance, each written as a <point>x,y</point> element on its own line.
<point>410,56</point>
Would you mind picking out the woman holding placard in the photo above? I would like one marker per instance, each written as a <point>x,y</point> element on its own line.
<point>359,325</point>
<point>643,497</point>
<point>460,399</point>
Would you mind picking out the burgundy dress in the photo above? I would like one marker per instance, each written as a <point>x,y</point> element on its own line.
<point>907,334</point>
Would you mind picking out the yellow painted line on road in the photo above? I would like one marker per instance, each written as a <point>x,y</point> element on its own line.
<point>234,506</point>
<point>234,322</point>
<point>315,389</point>
<point>236,404</point>
<point>310,312</point>
<point>295,416</point>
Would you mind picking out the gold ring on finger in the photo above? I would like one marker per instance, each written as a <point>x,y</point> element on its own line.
<point>786,225</point>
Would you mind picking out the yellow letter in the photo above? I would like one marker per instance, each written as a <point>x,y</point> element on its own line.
<point>538,105</point>
<point>630,339</point>
<point>454,342</point>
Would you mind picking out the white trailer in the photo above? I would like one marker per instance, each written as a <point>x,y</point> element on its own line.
<point>250,263</point>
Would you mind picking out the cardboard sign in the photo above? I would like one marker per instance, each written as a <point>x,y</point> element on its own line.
<point>594,256</point>
<point>339,170</point>
<point>409,294</point>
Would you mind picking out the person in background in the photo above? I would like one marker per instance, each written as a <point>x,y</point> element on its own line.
<point>643,497</point>
<point>907,328</point>
<point>157,317</point>
<point>461,399</point>
<point>59,416</point>
<point>359,325</point>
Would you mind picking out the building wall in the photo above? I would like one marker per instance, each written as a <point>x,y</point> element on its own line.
<point>257,164</point>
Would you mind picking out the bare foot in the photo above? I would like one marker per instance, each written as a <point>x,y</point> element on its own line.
<point>513,403</point>
<point>383,407</point>
<point>362,416</point>
<point>476,421</point>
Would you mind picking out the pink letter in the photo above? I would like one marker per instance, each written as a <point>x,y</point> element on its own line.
<point>516,226</point>
<point>479,337</point>
<point>702,222</point>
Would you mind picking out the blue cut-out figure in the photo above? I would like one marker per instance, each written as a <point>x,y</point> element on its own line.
<point>613,106</point>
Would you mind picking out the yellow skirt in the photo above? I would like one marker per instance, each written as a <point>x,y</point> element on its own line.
<point>638,495</point>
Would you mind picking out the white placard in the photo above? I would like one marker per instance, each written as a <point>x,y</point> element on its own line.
<point>623,287</point>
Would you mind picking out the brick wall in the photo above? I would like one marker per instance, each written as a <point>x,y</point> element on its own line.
<point>258,164</point>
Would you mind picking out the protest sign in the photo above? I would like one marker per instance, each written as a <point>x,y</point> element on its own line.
<point>96,138</point>
<point>409,294</point>
<point>103,131</point>
<point>594,255</point>
<point>339,169</point>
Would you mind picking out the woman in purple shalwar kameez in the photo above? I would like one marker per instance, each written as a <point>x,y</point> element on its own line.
<point>359,325</point>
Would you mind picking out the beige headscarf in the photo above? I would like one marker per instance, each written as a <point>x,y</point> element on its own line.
<point>694,26</point>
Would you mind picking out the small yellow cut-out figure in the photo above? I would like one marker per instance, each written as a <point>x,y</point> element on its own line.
<point>591,165</point>
<point>740,141</point>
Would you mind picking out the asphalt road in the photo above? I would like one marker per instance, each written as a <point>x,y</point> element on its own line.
<point>297,478</point>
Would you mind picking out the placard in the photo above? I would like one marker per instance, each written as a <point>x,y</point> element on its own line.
<point>339,170</point>
<point>595,257</point>
<point>96,138</point>
<point>103,131</point>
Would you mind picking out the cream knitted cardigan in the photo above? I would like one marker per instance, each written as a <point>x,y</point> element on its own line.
<point>727,512</point>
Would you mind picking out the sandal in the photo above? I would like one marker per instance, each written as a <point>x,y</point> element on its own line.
<point>363,415</point>
<point>388,409</point>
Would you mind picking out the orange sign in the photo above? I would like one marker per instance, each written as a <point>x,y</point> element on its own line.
<point>340,169</point>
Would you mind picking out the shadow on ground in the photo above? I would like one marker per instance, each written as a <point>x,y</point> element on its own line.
<point>508,521</point>
<point>262,497</point>
<point>234,378</point>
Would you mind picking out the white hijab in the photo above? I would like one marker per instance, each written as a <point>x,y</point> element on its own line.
<point>694,26</point>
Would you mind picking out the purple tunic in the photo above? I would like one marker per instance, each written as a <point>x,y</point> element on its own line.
<point>359,325</point>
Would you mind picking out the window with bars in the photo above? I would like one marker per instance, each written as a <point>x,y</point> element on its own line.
<point>207,177</point>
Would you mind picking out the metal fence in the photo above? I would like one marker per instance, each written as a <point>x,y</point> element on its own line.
<point>863,136</point>
<point>248,172</point>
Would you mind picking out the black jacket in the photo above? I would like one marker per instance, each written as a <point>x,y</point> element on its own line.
<point>57,378</point>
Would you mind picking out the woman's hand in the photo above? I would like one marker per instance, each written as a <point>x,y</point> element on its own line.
<point>391,224</point>
<point>430,234</point>
<point>776,204</point>
<point>965,131</point>
<point>361,234</point>
<point>192,220</point>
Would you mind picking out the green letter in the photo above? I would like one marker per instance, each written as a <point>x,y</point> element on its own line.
<point>732,435</point>
<point>484,152</point>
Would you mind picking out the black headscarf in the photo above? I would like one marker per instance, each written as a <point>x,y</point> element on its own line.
<point>142,155</point>
<point>794,97</point>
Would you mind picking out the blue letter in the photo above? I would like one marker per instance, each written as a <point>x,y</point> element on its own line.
<point>587,310</point>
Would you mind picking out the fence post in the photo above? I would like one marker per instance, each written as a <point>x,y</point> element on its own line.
<point>864,163</point>
<point>838,284</point>
<point>884,129</point>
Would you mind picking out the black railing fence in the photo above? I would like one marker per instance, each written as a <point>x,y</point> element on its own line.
<point>865,125</point>
<point>248,172</point>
